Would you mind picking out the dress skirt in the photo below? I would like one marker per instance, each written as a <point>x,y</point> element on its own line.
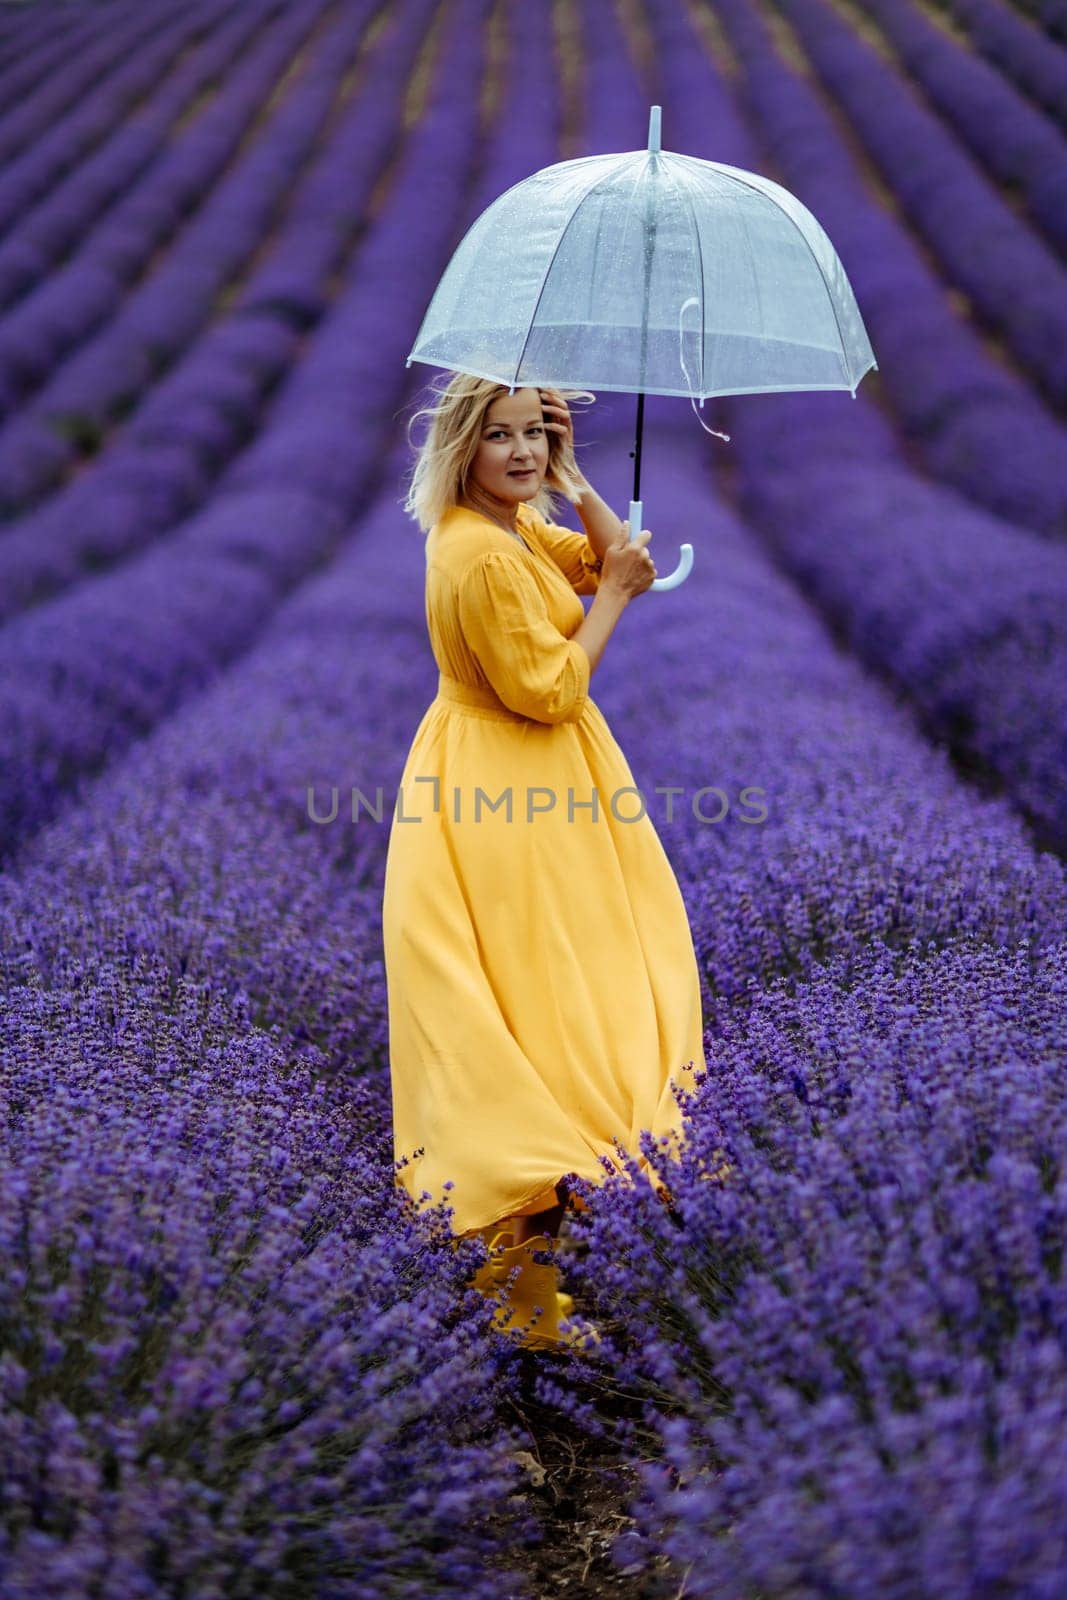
<point>542,983</point>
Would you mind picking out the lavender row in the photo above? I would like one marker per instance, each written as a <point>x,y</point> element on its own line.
<point>282,1235</point>
<point>169,456</point>
<point>851,1326</point>
<point>286,1373</point>
<point>1014,280</point>
<point>1017,49</point>
<point>33,48</point>
<point>976,425</point>
<point>83,100</point>
<point>297,740</point>
<point>962,611</point>
<point>700,1304</point>
<point>674,463</point>
<point>39,66</point>
<point>798,1316</point>
<point>966,615</point>
<point>167,861</point>
<point>45,234</point>
<point>88,673</point>
<point>1014,141</point>
<point>611,84</point>
<point>273,725</point>
<point>869,835</point>
<point>332,201</point>
<point>198,856</point>
<point>162,314</point>
<point>1050,14</point>
<point>871,832</point>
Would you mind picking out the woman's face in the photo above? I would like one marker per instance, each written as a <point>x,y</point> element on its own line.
<point>513,440</point>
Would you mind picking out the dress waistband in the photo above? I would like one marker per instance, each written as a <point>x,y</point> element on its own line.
<point>483,701</point>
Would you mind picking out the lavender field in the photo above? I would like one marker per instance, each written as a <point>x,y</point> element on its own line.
<point>232,1362</point>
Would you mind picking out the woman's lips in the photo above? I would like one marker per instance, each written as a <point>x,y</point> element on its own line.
<point>527,474</point>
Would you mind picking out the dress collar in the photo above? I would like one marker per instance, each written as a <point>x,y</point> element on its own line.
<point>514,537</point>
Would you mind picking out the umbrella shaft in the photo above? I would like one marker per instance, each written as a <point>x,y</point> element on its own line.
<point>636,453</point>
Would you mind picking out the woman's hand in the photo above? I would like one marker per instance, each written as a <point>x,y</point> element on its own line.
<point>557,419</point>
<point>628,567</point>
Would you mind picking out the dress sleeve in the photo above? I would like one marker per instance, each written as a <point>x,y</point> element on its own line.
<point>573,555</point>
<point>533,667</point>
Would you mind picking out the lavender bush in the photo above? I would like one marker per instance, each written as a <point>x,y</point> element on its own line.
<point>962,610</point>
<point>45,234</point>
<point>193,421</point>
<point>86,95</point>
<point>971,420</point>
<point>283,503</point>
<point>368,1463</point>
<point>1017,49</point>
<point>156,322</point>
<point>852,1307</point>
<point>1016,283</point>
<point>1014,141</point>
<point>227,1355</point>
<point>858,1333</point>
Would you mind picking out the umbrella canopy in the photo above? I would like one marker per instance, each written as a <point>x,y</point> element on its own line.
<point>648,272</point>
<point>580,275</point>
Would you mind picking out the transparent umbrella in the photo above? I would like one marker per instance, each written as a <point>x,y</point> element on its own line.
<point>648,272</point>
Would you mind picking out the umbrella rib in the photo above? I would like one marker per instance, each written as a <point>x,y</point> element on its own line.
<point>794,224</point>
<point>700,257</point>
<point>600,178</point>
<point>829,296</point>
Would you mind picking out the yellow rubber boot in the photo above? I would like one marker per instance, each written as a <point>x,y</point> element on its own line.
<point>498,1237</point>
<point>533,1306</point>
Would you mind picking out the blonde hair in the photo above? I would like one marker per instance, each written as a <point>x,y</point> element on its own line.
<point>443,460</point>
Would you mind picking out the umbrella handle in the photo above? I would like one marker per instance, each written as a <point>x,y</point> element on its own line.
<point>685,552</point>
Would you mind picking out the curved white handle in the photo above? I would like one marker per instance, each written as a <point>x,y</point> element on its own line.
<point>685,552</point>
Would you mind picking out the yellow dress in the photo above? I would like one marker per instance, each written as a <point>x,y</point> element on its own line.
<point>542,983</point>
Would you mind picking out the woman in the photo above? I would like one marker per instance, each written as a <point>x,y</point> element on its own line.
<point>542,984</point>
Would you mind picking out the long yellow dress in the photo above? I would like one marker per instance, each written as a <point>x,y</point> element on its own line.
<point>542,983</point>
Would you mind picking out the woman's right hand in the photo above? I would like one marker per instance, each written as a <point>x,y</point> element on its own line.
<point>627,566</point>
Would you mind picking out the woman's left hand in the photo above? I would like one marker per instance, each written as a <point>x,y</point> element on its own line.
<point>558,420</point>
